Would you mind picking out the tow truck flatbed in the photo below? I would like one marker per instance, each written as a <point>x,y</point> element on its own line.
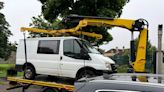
<point>25,83</point>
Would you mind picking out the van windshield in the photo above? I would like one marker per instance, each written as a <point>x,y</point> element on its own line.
<point>86,45</point>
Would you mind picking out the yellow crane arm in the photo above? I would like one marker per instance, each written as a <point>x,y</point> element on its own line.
<point>132,25</point>
<point>103,22</point>
<point>74,31</point>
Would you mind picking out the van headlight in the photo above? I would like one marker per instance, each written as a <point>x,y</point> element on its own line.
<point>108,65</point>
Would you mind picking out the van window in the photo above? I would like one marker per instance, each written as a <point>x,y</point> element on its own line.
<point>88,46</point>
<point>72,48</point>
<point>48,47</point>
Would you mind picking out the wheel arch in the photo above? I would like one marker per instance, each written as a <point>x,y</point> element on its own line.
<point>85,68</point>
<point>29,64</point>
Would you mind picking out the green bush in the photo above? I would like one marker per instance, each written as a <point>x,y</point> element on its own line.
<point>122,69</point>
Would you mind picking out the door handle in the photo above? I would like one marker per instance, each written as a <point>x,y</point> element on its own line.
<point>61,57</point>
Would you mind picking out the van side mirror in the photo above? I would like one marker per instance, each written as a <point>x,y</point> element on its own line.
<point>94,43</point>
<point>84,54</point>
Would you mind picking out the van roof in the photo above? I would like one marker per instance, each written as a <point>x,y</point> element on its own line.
<point>52,38</point>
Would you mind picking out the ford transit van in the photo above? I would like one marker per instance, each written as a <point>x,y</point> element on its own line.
<point>61,56</point>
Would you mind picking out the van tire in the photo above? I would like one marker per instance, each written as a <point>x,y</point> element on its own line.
<point>48,89</point>
<point>29,72</point>
<point>86,73</point>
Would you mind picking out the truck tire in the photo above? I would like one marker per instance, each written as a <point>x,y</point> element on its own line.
<point>29,72</point>
<point>86,73</point>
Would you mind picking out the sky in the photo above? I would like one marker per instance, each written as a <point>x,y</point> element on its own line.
<point>19,13</point>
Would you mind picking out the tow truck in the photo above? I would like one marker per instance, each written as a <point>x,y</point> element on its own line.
<point>138,57</point>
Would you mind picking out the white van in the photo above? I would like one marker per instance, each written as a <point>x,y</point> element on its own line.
<point>61,56</point>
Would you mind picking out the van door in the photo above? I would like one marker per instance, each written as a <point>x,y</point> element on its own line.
<point>48,57</point>
<point>71,61</point>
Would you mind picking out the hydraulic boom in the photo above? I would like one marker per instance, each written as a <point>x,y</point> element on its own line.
<point>139,56</point>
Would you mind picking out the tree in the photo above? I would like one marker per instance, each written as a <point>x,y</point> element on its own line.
<point>41,23</point>
<point>53,9</point>
<point>4,34</point>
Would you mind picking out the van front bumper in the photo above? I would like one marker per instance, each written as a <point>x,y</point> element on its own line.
<point>101,72</point>
<point>114,70</point>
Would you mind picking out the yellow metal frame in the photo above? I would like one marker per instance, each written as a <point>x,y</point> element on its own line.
<point>42,83</point>
<point>138,65</point>
<point>74,31</point>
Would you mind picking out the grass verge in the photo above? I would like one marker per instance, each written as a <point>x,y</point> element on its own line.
<point>122,69</point>
<point>5,67</point>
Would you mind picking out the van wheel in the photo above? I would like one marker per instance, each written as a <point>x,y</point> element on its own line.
<point>86,73</point>
<point>48,89</point>
<point>29,72</point>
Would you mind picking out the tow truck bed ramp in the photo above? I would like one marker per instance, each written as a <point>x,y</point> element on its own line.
<point>41,83</point>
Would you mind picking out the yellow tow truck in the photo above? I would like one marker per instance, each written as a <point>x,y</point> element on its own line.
<point>138,57</point>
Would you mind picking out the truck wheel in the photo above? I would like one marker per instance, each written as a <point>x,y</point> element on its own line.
<point>86,73</point>
<point>29,72</point>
